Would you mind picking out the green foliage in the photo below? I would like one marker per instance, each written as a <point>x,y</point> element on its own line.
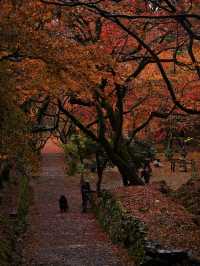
<point>179,52</point>
<point>170,37</point>
<point>72,168</point>
<point>141,151</point>
<point>122,227</point>
<point>76,150</point>
<point>79,147</point>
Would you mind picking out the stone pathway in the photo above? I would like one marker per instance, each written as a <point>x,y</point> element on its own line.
<point>70,239</point>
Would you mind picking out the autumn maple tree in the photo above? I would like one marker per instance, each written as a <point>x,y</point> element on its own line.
<point>162,47</point>
<point>16,139</point>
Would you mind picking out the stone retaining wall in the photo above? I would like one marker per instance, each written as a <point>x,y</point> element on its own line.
<point>122,228</point>
<point>128,231</point>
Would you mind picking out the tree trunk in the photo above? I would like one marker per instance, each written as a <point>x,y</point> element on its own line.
<point>122,159</point>
<point>99,181</point>
<point>129,174</point>
<point>101,164</point>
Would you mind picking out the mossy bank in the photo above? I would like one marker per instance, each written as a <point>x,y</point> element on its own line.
<point>123,228</point>
<point>130,232</point>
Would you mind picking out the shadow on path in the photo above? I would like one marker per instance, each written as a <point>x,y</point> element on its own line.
<point>70,239</point>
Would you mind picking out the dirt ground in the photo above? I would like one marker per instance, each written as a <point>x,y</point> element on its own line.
<point>174,180</point>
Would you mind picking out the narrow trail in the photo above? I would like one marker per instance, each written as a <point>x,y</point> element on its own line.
<point>70,239</point>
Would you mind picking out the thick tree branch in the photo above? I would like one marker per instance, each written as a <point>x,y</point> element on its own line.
<point>77,122</point>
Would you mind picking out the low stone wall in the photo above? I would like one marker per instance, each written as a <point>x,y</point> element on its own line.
<point>122,228</point>
<point>128,231</point>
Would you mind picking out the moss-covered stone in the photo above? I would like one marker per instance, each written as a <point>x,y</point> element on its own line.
<point>121,226</point>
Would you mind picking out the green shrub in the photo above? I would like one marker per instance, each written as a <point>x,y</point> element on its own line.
<point>121,226</point>
<point>140,151</point>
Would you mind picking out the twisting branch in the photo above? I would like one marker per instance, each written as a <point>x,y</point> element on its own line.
<point>151,116</point>
<point>182,19</point>
<point>77,122</point>
<point>160,67</point>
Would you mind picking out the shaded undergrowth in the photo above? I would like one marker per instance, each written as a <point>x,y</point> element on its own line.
<point>13,224</point>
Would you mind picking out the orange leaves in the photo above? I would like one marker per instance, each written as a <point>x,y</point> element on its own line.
<point>72,49</point>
